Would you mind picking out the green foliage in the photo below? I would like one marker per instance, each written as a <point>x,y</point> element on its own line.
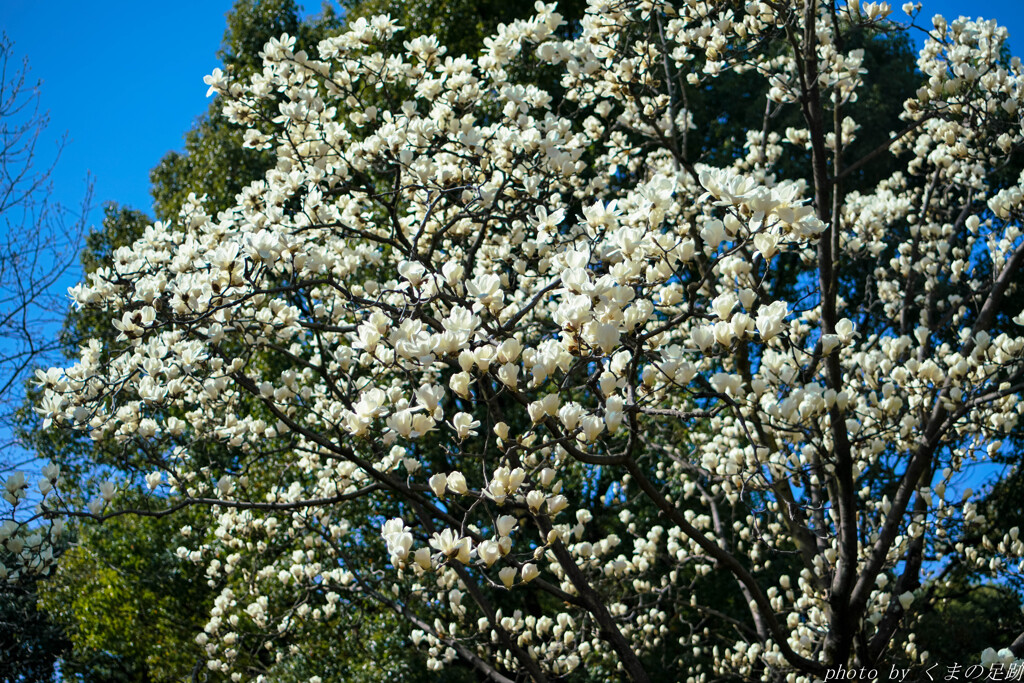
<point>214,164</point>
<point>128,604</point>
<point>964,619</point>
<point>31,643</point>
<point>364,643</point>
<point>250,24</point>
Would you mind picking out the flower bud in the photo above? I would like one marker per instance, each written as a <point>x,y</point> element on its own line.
<point>507,576</point>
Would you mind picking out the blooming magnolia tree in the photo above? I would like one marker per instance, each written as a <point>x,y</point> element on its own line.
<point>518,364</point>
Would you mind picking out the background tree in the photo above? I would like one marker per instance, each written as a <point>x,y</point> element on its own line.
<point>40,237</point>
<point>37,249</point>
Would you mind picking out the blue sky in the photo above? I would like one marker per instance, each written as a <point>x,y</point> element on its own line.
<point>124,83</point>
<point>124,80</point>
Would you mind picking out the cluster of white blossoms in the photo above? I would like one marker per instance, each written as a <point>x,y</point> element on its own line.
<point>462,347</point>
<point>29,545</point>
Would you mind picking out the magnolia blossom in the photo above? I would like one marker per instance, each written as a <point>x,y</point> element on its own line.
<point>153,480</point>
<point>465,425</point>
<point>398,539</point>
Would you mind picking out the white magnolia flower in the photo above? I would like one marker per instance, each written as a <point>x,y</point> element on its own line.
<point>464,425</point>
